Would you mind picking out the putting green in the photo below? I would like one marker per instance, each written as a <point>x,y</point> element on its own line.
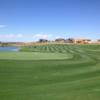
<point>33,56</point>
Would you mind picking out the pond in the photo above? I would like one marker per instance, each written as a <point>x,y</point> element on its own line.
<point>9,48</point>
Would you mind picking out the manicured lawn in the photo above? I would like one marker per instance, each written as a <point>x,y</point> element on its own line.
<point>27,78</point>
<point>33,56</point>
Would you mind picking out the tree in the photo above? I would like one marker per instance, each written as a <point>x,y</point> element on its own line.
<point>70,40</point>
<point>43,40</point>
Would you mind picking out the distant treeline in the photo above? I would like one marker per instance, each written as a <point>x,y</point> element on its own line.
<point>58,40</point>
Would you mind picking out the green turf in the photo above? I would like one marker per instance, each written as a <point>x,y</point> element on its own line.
<point>33,56</point>
<point>75,78</point>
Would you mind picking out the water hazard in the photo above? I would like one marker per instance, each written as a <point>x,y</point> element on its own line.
<point>9,48</point>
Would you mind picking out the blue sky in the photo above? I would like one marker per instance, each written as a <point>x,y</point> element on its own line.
<point>29,20</point>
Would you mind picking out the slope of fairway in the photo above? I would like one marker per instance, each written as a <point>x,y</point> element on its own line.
<point>77,78</point>
<point>33,56</point>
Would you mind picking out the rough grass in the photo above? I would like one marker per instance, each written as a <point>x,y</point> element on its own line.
<point>77,78</point>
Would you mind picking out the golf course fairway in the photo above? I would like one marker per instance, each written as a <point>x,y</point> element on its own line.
<point>33,56</point>
<point>51,72</point>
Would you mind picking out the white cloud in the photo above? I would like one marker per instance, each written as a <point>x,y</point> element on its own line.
<point>19,35</point>
<point>2,26</point>
<point>25,37</point>
<point>10,36</point>
<point>43,36</point>
<point>29,36</point>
